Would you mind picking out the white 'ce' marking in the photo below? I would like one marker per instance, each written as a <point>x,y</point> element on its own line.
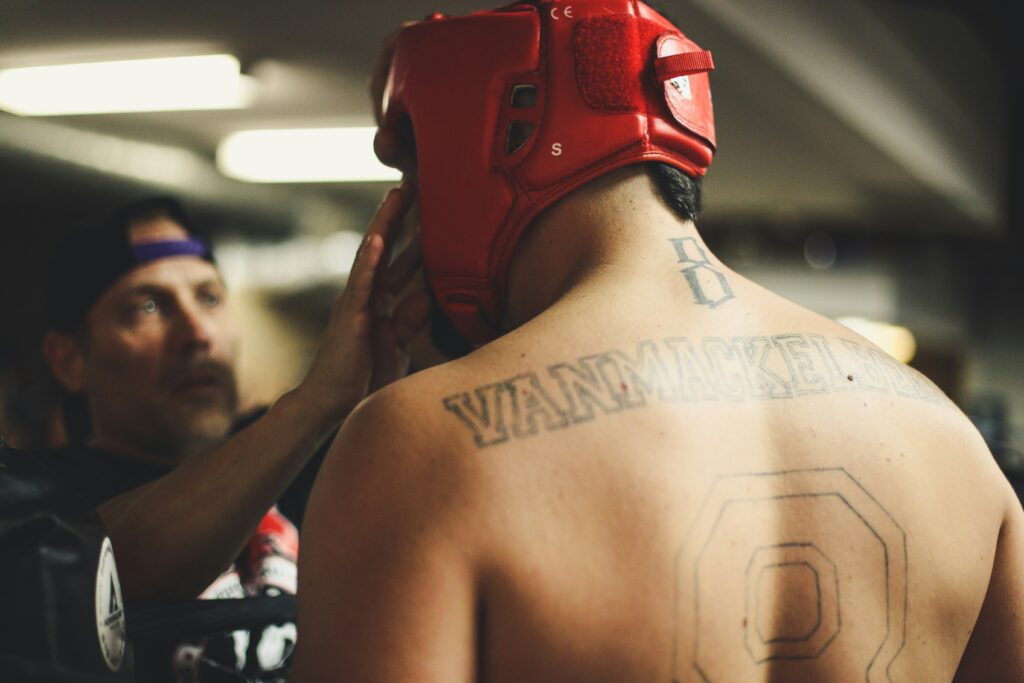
<point>567,13</point>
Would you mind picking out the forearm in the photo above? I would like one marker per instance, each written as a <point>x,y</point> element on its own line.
<point>173,536</point>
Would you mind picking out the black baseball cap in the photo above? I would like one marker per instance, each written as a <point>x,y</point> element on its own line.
<point>88,261</point>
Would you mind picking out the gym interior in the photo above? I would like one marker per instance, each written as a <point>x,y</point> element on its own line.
<point>870,166</point>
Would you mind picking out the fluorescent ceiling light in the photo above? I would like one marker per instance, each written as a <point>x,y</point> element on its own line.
<point>895,340</point>
<point>303,155</point>
<point>169,84</point>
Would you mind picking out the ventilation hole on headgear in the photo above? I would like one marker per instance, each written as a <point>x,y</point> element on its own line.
<point>519,133</point>
<point>524,97</point>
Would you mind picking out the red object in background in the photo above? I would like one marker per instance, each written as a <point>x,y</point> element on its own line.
<point>271,555</point>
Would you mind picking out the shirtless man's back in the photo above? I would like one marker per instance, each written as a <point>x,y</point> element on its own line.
<point>634,487</point>
<point>662,473</point>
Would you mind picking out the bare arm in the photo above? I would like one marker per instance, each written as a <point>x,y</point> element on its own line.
<point>995,651</point>
<point>175,535</point>
<point>386,587</point>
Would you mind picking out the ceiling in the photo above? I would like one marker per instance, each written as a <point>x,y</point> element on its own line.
<point>855,113</point>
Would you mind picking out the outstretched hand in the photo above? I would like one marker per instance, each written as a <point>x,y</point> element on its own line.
<point>384,304</point>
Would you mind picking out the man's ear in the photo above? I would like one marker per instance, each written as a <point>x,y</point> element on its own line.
<point>66,360</point>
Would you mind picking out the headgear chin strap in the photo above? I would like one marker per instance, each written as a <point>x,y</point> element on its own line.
<point>514,108</point>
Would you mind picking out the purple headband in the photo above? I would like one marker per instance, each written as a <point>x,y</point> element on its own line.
<point>151,251</point>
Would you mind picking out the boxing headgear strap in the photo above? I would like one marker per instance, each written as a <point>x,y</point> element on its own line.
<point>513,108</point>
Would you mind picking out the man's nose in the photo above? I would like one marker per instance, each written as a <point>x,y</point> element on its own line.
<point>195,328</point>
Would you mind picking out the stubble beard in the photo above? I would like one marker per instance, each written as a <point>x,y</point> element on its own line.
<point>200,423</point>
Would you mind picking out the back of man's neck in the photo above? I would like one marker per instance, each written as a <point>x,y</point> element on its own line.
<point>609,230</point>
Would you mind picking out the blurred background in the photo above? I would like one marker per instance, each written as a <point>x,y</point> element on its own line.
<point>869,167</point>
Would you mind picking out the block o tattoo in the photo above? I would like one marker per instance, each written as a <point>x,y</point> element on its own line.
<point>754,583</point>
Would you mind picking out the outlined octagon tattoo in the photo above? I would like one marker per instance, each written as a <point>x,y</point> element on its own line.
<point>804,563</point>
<point>751,522</point>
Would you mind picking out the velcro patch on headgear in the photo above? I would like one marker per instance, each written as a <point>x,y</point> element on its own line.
<point>611,56</point>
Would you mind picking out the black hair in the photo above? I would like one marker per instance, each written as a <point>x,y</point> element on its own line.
<point>681,192</point>
<point>74,413</point>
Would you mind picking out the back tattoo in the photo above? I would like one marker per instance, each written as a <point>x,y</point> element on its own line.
<point>756,584</point>
<point>675,369</point>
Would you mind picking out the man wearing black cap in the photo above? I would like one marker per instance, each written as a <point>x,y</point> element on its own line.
<point>148,387</point>
<point>141,341</point>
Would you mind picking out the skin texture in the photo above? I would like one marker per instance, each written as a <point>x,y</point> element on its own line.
<point>156,367</point>
<point>585,499</point>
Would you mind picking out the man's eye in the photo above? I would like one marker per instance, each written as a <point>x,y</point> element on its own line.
<point>210,299</point>
<point>148,307</point>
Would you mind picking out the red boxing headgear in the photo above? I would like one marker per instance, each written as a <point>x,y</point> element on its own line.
<point>513,108</point>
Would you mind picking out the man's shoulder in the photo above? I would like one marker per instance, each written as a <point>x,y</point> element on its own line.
<point>399,468</point>
<point>407,409</point>
<point>424,429</point>
<point>417,409</point>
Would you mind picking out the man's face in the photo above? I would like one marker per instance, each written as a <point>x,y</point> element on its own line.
<point>159,356</point>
